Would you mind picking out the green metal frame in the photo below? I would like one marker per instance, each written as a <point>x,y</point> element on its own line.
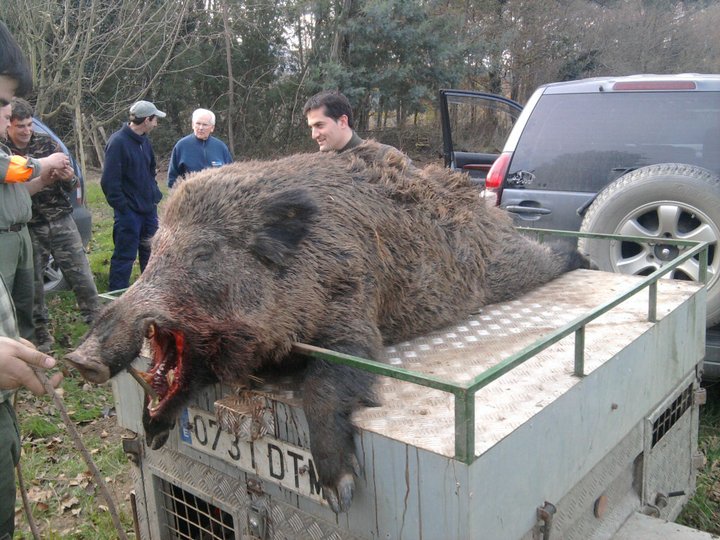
<point>464,393</point>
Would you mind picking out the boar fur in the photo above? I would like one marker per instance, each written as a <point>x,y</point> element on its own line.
<point>348,252</point>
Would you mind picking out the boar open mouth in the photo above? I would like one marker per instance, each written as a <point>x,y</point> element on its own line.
<point>167,377</point>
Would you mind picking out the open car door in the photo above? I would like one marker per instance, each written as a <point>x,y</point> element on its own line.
<point>475,126</point>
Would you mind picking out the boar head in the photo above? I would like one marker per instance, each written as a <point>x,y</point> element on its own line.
<point>209,302</point>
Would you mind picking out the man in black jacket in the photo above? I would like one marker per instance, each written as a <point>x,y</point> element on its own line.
<point>128,181</point>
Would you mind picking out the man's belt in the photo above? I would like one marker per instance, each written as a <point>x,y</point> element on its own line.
<point>13,228</point>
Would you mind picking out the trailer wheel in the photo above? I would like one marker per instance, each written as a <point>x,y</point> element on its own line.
<point>658,202</point>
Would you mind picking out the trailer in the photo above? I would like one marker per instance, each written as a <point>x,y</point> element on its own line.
<point>570,412</point>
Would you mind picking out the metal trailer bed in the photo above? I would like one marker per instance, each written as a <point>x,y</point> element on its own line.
<point>556,415</point>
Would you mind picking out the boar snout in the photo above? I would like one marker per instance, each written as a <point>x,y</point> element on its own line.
<point>91,370</point>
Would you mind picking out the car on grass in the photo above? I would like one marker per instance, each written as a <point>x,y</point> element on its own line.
<point>52,275</point>
<point>635,156</point>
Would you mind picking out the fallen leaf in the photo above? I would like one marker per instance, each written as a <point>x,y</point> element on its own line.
<point>68,503</point>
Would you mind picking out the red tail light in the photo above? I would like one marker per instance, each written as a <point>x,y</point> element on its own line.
<point>499,169</point>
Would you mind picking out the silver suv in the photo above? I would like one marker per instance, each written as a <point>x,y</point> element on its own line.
<point>636,156</point>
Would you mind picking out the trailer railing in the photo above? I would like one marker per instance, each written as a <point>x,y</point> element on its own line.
<point>464,393</point>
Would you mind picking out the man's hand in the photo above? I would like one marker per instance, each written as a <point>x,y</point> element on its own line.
<point>58,160</point>
<point>52,168</point>
<point>17,359</point>
<point>66,173</point>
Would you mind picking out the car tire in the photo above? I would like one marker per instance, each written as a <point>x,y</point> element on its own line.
<point>53,278</point>
<point>668,200</point>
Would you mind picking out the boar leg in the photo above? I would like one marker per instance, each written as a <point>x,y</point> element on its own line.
<point>331,393</point>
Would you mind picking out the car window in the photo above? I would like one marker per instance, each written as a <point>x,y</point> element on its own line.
<point>580,142</point>
<point>480,125</point>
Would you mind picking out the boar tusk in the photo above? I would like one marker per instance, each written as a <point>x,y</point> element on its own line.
<point>149,390</point>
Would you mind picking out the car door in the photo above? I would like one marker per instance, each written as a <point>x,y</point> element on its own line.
<point>475,126</point>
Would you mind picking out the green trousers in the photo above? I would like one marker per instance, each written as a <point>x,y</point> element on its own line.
<point>9,457</point>
<point>16,267</point>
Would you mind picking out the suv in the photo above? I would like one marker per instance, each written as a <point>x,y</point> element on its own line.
<point>636,156</point>
<point>53,278</point>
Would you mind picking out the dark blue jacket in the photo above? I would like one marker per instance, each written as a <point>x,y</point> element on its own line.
<point>192,154</point>
<point>128,177</point>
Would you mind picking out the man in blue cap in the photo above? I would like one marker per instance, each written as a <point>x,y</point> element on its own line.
<point>128,181</point>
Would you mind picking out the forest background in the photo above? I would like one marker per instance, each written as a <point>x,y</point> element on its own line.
<point>256,62</point>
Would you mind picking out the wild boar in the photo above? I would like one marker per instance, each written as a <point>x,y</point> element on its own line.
<point>349,252</point>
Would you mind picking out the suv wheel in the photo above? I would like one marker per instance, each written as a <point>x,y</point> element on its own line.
<point>669,200</point>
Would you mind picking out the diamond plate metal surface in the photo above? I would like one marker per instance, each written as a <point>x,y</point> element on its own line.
<point>285,522</point>
<point>424,417</point>
<point>142,515</point>
<point>668,464</point>
<point>668,467</point>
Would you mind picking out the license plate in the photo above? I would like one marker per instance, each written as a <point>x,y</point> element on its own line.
<point>273,460</point>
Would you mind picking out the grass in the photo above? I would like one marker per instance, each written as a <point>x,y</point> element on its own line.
<point>703,510</point>
<point>65,502</point>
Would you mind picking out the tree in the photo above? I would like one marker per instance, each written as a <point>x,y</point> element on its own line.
<point>93,58</point>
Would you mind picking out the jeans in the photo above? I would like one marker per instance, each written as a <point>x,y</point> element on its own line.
<point>132,233</point>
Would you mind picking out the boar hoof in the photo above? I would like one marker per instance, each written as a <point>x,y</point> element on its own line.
<point>340,496</point>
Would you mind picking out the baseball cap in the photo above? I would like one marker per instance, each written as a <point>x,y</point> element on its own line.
<point>143,109</point>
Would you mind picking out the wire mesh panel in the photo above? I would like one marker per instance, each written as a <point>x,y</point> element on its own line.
<point>671,415</point>
<point>190,517</point>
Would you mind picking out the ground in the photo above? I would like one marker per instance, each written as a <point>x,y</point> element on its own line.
<point>59,485</point>
<point>65,502</point>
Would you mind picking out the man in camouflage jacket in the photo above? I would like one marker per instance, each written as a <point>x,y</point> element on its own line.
<point>52,228</point>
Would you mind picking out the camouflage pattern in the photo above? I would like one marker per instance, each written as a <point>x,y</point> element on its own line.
<point>61,239</point>
<point>54,201</point>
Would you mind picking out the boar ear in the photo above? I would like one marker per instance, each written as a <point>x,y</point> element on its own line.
<point>287,220</point>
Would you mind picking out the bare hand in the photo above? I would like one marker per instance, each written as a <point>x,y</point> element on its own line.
<point>17,359</point>
<point>66,173</point>
<point>58,160</point>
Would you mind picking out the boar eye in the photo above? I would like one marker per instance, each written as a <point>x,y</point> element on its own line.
<point>203,255</point>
